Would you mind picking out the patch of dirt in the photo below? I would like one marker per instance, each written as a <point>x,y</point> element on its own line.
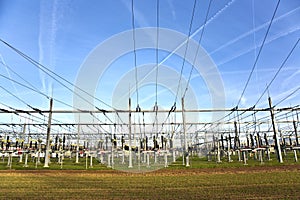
<point>163,172</point>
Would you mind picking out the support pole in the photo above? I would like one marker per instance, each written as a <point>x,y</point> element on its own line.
<point>174,156</point>
<point>295,155</point>
<point>77,146</point>
<point>228,150</point>
<point>296,133</point>
<point>9,160</point>
<point>268,154</point>
<point>245,158</point>
<point>186,153</point>
<point>21,158</point>
<point>239,155</point>
<point>39,152</point>
<point>61,160</point>
<point>129,132</point>
<point>123,157</point>
<point>148,160</point>
<point>86,160</point>
<point>112,157</point>
<point>101,158</point>
<point>108,160</point>
<point>166,158</point>
<point>26,160</point>
<point>91,160</point>
<point>47,156</point>
<point>139,154</point>
<point>277,144</point>
<point>235,136</point>
<point>22,139</point>
<point>144,161</point>
<point>218,152</point>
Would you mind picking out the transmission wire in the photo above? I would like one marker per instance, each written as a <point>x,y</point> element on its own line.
<point>138,109</point>
<point>259,52</point>
<point>197,50</point>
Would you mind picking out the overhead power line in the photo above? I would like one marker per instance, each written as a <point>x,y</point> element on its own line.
<point>196,54</point>
<point>285,60</point>
<point>259,52</point>
<point>185,51</point>
<point>53,75</point>
<point>288,96</point>
<point>135,57</point>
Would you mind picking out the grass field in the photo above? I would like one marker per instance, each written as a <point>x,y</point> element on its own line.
<point>280,182</point>
<point>203,180</point>
<point>195,162</point>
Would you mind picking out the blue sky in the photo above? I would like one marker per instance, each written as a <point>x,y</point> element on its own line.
<point>61,34</point>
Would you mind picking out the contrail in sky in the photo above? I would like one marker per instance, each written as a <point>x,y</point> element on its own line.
<point>280,35</point>
<point>41,50</point>
<point>191,36</point>
<point>253,31</point>
<point>47,41</point>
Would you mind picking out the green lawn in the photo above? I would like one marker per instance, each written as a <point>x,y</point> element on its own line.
<point>195,163</point>
<point>202,180</point>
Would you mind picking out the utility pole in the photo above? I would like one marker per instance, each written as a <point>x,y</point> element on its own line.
<point>129,130</point>
<point>277,144</point>
<point>77,146</point>
<point>236,143</point>
<point>22,142</point>
<point>296,134</point>
<point>186,153</point>
<point>47,156</point>
<point>23,132</point>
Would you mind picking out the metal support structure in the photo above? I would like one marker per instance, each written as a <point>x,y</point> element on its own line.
<point>123,157</point>
<point>26,160</point>
<point>39,152</point>
<point>174,155</point>
<point>77,146</point>
<point>268,153</point>
<point>295,155</point>
<point>218,151</point>
<point>91,160</point>
<point>112,157</point>
<point>147,111</point>
<point>21,158</point>
<point>9,160</point>
<point>129,133</point>
<point>86,160</point>
<point>228,150</point>
<point>166,158</point>
<point>277,144</point>
<point>296,132</point>
<point>108,160</point>
<point>186,152</point>
<point>236,137</point>
<point>136,124</point>
<point>61,160</point>
<point>244,157</point>
<point>148,159</point>
<point>47,156</point>
<point>239,155</point>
